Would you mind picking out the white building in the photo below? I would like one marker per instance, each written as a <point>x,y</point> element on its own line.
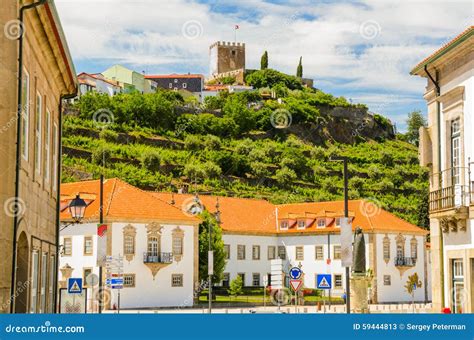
<point>447,149</point>
<point>158,242</point>
<point>307,234</point>
<point>97,83</point>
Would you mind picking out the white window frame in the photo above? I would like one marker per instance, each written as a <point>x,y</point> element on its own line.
<point>185,85</point>
<point>69,238</point>
<point>88,237</point>
<point>301,224</point>
<point>38,132</point>
<point>25,115</point>
<point>284,224</point>
<point>255,252</point>
<point>241,252</point>
<point>316,257</point>
<point>299,256</point>
<point>458,269</point>
<point>338,222</point>
<point>321,223</point>
<point>334,252</point>
<point>271,252</point>
<point>47,146</point>
<point>170,85</point>
<point>256,279</point>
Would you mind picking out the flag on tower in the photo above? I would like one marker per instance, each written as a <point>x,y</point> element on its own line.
<point>236,27</point>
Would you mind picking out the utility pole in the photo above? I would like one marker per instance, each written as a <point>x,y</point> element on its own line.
<point>101,221</point>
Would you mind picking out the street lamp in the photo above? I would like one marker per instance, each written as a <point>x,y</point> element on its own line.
<point>210,257</point>
<point>346,215</point>
<point>77,209</point>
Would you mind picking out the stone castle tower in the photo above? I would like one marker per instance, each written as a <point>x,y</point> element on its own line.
<point>226,58</point>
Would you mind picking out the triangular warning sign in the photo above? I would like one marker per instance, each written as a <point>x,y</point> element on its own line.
<point>295,284</point>
<point>323,283</point>
<point>75,288</point>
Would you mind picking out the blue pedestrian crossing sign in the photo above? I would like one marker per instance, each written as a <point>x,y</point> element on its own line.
<point>323,281</point>
<point>74,285</point>
<point>295,273</point>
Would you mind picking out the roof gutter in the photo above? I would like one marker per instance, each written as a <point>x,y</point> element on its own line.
<point>18,144</point>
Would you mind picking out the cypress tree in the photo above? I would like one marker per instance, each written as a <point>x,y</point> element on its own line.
<point>264,61</point>
<point>299,69</point>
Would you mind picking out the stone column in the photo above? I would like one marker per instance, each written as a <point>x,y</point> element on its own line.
<point>359,288</point>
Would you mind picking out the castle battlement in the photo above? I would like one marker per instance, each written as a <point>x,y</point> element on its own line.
<point>227,43</point>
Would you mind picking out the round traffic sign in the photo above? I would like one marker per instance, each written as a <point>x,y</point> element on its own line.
<point>92,279</point>
<point>295,273</point>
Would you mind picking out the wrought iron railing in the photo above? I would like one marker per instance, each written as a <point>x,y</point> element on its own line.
<point>452,189</point>
<point>405,261</point>
<point>151,257</point>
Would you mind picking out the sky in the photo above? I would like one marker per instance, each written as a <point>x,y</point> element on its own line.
<point>362,50</point>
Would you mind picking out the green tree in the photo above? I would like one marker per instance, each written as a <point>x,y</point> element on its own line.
<point>209,223</point>
<point>414,122</point>
<point>299,69</point>
<point>236,286</point>
<point>264,61</point>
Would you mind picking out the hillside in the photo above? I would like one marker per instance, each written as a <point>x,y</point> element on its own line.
<point>247,145</point>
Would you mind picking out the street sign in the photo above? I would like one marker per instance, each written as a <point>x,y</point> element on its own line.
<point>74,285</point>
<point>115,281</point>
<point>295,273</point>
<point>92,279</point>
<point>277,273</point>
<point>296,284</point>
<point>323,281</point>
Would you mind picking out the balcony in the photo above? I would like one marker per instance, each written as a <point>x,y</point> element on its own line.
<point>157,257</point>
<point>453,192</point>
<point>405,261</point>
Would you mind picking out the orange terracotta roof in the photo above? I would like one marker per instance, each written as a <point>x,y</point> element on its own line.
<point>254,216</point>
<point>173,75</point>
<point>122,202</point>
<point>435,55</point>
<point>97,76</point>
<point>217,87</point>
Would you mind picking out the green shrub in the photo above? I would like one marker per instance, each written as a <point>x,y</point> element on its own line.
<point>211,170</point>
<point>285,176</point>
<point>108,135</point>
<point>151,160</point>
<point>212,142</point>
<point>193,143</point>
<point>102,155</point>
<point>236,286</point>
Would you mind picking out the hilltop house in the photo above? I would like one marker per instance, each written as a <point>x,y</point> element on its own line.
<point>158,242</point>
<point>30,152</point>
<point>447,149</point>
<point>307,234</point>
<point>98,83</point>
<point>128,80</point>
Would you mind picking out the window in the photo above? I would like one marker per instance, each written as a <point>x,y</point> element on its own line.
<point>387,280</point>
<point>256,279</point>
<point>414,250</point>
<point>88,245</point>
<point>52,271</point>
<point>337,281</point>
<point>177,245</point>
<point>255,252</point>
<point>129,280</point>
<point>34,282</point>
<point>336,252</point>
<point>38,150</point>
<point>176,80</point>
<point>319,251</point>
<point>85,273</point>
<point>455,150</point>
<point>153,246</point>
<point>400,251</point>
<point>177,280</point>
<point>233,52</point>
<point>44,277</point>
<point>386,248</point>
<point>226,280</point>
<point>25,113</point>
<point>282,252</point>
<point>185,85</point>
<point>301,224</point>
<point>242,276</point>
<point>338,222</point>
<point>171,85</point>
<point>458,272</point>
<point>321,223</point>
<point>227,251</point>
<point>47,141</point>
<point>240,252</point>
<point>284,225</point>
<point>299,253</point>
<point>129,245</point>
<point>55,156</point>
<point>271,252</point>
<point>67,246</point>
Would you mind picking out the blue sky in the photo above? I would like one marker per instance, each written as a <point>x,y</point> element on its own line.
<point>362,50</point>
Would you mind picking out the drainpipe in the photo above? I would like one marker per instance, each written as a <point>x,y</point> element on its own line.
<point>18,146</point>
<point>438,114</point>
<point>58,193</point>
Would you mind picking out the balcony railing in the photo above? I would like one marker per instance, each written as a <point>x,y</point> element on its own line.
<point>157,257</point>
<point>453,189</point>
<point>405,261</point>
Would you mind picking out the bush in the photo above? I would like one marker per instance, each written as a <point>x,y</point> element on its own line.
<point>101,156</point>
<point>194,171</point>
<point>193,143</point>
<point>285,176</point>
<point>108,135</point>
<point>212,142</point>
<point>236,286</point>
<point>270,78</point>
<point>151,160</point>
<point>211,170</point>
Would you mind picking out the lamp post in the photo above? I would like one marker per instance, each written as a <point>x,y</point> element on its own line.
<point>77,208</point>
<point>210,257</point>
<point>346,215</point>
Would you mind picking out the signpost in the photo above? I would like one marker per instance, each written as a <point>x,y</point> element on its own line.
<point>92,280</point>
<point>114,276</point>
<point>74,286</point>
<point>295,274</point>
<point>324,281</point>
<point>277,277</point>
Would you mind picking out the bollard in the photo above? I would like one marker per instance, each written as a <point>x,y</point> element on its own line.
<point>319,306</point>
<point>305,310</point>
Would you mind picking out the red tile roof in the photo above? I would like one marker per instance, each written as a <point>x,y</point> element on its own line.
<point>173,75</point>
<point>435,55</point>
<point>122,202</point>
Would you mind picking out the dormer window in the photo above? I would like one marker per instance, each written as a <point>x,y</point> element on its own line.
<point>301,224</point>
<point>321,223</point>
<point>338,222</point>
<point>284,225</point>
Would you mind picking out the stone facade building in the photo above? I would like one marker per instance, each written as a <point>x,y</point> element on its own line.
<point>227,59</point>
<point>447,149</point>
<point>28,223</point>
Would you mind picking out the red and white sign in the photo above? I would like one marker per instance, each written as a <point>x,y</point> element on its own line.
<point>296,284</point>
